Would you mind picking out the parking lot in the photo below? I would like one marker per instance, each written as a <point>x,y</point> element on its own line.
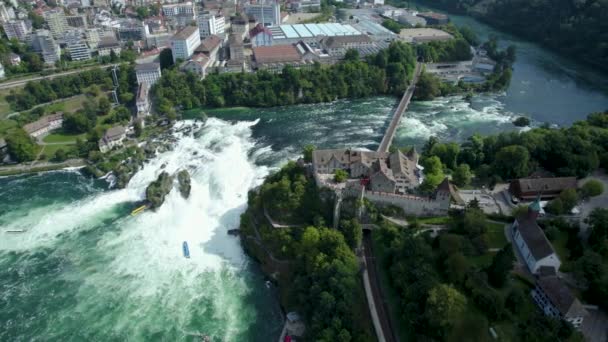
<point>487,203</point>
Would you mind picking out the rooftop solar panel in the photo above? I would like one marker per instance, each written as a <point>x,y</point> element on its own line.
<point>289,31</point>
<point>302,31</point>
<point>314,29</point>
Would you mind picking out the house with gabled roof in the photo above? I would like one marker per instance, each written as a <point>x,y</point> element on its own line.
<point>556,300</point>
<point>531,241</point>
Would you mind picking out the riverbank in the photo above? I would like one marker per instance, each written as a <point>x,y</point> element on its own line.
<point>28,168</point>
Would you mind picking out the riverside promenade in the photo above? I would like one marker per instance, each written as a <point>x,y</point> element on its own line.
<point>387,139</point>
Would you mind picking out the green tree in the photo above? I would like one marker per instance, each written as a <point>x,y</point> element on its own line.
<point>569,198</point>
<point>592,188</point>
<point>501,266</point>
<point>456,268</point>
<point>444,306</point>
<point>104,105</point>
<point>352,231</point>
<point>598,238</point>
<point>20,146</point>
<point>427,88</point>
<point>462,175</point>
<point>60,155</point>
<point>308,150</point>
<point>340,176</point>
<point>512,162</point>
<point>166,59</point>
<point>433,173</point>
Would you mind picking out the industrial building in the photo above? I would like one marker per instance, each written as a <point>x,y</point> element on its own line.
<point>309,33</point>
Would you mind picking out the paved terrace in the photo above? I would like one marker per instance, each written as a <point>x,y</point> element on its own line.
<point>403,104</point>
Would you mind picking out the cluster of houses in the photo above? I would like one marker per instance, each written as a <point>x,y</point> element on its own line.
<point>551,294</point>
<point>113,137</point>
<point>390,178</point>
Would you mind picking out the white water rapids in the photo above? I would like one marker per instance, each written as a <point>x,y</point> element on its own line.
<point>130,276</point>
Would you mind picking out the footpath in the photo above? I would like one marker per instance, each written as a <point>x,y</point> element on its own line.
<point>34,167</point>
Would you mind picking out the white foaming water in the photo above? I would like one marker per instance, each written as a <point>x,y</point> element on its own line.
<point>137,262</point>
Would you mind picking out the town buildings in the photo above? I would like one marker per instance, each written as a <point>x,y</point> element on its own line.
<point>433,18</point>
<point>143,100</point>
<point>236,48</point>
<point>423,35</point>
<point>267,14</point>
<point>148,73</point>
<point>43,43</point>
<point>184,42</point>
<point>113,137</point>
<point>546,188</point>
<point>531,242</point>
<point>2,72</point>
<point>17,29</point>
<point>44,125</point>
<point>210,46</point>
<point>198,65</point>
<point>260,35</point>
<point>107,45</point>
<point>239,25</point>
<point>275,58</point>
<point>78,50</point>
<point>556,300</point>
<point>211,24</point>
<point>305,5</point>
<point>309,33</point>
<point>338,45</point>
<point>55,19</point>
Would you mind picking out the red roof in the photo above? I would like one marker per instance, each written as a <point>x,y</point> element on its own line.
<point>259,28</point>
<point>276,54</point>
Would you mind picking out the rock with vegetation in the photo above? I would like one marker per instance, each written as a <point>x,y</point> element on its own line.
<point>158,190</point>
<point>521,121</point>
<point>183,177</point>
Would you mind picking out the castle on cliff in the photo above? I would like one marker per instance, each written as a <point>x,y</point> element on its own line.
<point>381,177</point>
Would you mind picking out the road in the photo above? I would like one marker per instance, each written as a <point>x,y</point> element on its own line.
<point>21,82</point>
<point>380,305</point>
<point>387,139</point>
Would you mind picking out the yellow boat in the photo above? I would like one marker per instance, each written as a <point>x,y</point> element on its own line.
<point>139,210</point>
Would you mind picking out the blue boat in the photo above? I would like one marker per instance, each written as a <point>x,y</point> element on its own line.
<point>186,250</point>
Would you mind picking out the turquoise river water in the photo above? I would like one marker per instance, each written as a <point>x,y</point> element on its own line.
<point>84,270</point>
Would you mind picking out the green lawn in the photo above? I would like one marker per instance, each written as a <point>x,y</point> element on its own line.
<point>6,125</point>
<point>434,220</point>
<point>49,150</point>
<point>70,105</point>
<point>59,137</point>
<point>496,235</point>
<point>482,261</point>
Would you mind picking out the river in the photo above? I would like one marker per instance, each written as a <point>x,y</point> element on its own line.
<point>86,270</point>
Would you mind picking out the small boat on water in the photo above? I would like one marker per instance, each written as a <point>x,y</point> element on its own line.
<point>186,250</point>
<point>139,210</point>
<point>15,231</point>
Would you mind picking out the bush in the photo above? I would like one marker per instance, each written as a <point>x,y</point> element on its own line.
<point>340,176</point>
<point>592,188</point>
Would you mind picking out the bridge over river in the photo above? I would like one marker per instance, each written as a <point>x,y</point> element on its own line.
<point>378,306</point>
<point>387,139</point>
